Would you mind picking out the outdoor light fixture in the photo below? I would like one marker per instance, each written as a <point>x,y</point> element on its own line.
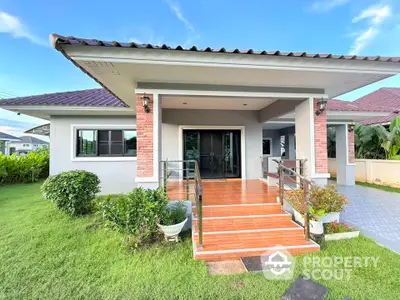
<point>350,127</point>
<point>146,100</point>
<point>321,106</point>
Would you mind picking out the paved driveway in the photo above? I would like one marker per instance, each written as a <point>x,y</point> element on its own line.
<point>375,212</point>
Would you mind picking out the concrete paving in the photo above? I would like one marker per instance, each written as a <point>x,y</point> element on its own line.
<point>375,212</point>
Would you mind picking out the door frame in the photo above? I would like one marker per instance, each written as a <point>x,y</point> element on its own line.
<point>210,127</point>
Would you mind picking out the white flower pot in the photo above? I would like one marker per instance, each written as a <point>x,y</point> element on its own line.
<point>341,235</point>
<point>298,217</point>
<point>316,227</point>
<point>171,232</point>
<point>331,217</point>
<point>288,207</point>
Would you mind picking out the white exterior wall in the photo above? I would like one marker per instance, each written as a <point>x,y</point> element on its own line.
<point>117,175</point>
<point>173,118</point>
<point>305,135</point>
<point>379,171</point>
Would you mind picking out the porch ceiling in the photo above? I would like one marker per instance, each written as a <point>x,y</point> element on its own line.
<point>207,102</point>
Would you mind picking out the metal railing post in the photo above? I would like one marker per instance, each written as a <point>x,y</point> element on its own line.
<point>281,184</point>
<point>165,176</point>
<point>200,216</point>
<point>306,220</point>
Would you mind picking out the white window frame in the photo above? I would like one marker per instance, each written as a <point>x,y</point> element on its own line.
<point>76,127</point>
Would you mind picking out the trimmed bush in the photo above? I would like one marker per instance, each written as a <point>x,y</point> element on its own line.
<point>24,169</point>
<point>72,191</point>
<point>135,214</point>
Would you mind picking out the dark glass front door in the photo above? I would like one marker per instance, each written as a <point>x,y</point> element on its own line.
<point>217,151</point>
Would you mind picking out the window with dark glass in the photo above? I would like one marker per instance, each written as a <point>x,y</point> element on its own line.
<point>267,147</point>
<point>87,142</point>
<point>106,143</point>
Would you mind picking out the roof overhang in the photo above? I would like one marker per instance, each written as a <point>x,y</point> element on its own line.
<point>123,70</point>
<point>45,111</point>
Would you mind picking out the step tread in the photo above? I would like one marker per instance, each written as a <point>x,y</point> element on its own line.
<point>270,223</point>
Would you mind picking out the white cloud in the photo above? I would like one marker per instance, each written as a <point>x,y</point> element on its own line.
<point>375,15</point>
<point>12,25</point>
<point>327,5</point>
<point>175,8</point>
<point>362,40</point>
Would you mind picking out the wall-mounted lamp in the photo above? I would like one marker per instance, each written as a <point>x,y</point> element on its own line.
<point>321,106</point>
<point>350,127</point>
<point>146,100</point>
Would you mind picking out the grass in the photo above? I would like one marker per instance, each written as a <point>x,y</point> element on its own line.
<point>45,254</point>
<point>376,186</point>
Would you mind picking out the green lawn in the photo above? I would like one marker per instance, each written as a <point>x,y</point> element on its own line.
<point>375,186</point>
<point>47,255</point>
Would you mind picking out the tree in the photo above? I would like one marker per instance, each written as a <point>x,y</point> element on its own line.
<point>390,139</point>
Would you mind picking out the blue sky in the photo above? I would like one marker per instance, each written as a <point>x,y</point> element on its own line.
<point>28,65</point>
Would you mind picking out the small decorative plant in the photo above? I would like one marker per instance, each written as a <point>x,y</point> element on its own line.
<point>328,199</point>
<point>173,220</point>
<point>336,227</point>
<point>174,215</point>
<point>321,198</point>
<point>315,215</point>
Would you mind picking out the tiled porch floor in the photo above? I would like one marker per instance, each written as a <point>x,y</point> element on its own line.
<point>227,192</point>
<point>241,218</point>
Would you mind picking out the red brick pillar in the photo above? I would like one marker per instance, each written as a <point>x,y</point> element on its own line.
<point>351,151</point>
<point>145,138</point>
<point>320,141</point>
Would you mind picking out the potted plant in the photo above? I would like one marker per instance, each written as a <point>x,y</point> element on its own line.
<point>339,231</point>
<point>314,218</point>
<point>328,199</point>
<point>173,220</point>
<point>321,198</point>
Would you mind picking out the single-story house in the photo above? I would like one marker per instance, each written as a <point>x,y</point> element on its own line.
<point>227,110</point>
<point>384,98</point>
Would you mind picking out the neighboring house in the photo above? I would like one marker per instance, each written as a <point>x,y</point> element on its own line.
<point>237,105</point>
<point>26,144</point>
<point>5,140</point>
<point>384,98</point>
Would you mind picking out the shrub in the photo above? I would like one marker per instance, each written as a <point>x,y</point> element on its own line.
<point>136,214</point>
<point>174,214</point>
<point>321,198</point>
<point>72,191</point>
<point>24,169</point>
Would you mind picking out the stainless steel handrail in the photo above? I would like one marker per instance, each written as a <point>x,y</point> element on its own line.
<point>189,174</point>
<point>305,184</point>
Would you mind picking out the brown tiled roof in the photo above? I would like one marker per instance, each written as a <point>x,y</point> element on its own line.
<point>386,99</point>
<point>70,40</point>
<point>93,97</point>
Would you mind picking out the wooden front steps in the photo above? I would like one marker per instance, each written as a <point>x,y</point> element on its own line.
<point>234,231</point>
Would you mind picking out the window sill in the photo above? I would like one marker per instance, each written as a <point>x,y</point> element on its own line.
<point>104,159</point>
